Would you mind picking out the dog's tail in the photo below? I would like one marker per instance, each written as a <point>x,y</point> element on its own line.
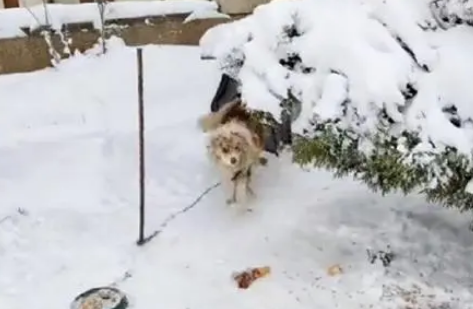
<point>212,120</point>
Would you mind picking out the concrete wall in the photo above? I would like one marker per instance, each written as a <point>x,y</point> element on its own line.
<point>66,1</point>
<point>29,3</point>
<point>239,6</point>
<point>30,53</point>
<point>150,0</point>
<point>226,6</point>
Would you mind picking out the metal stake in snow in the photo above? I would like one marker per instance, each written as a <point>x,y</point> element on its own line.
<point>141,126</point>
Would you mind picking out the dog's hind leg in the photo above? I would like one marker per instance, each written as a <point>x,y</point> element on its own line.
<point>247,183</point>
<point>248,188</point>
<point>248,191</point>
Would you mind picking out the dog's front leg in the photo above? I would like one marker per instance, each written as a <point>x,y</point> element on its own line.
<point>230,187</point>
<point>244,191</point>
<point>239,193</point>
<point>232,199</point>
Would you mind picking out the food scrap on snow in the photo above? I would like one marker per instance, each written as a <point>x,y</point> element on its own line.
<point>245,278</point>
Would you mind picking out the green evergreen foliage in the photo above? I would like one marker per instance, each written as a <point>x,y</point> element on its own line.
<point>387,169</point>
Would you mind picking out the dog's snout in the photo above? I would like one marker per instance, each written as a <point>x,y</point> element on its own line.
<point>233,160</point>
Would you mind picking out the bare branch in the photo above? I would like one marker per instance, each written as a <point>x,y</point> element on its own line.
<point>31,13</point>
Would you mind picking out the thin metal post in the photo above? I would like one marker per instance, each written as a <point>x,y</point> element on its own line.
<point>141,129</point>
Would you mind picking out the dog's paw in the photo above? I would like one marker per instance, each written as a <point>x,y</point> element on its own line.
<point>263,161</point>
<point>231,201</point>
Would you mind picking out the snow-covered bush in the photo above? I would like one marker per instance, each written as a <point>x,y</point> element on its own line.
<point>386,93</point>
<point>453,12</point>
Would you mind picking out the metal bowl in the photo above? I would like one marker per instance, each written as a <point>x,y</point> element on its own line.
<point>100,298</point>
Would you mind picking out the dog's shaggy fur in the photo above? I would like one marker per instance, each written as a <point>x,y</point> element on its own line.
<point>236,146</point>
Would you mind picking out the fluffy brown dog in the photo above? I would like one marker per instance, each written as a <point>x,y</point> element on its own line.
<point>236,146</point>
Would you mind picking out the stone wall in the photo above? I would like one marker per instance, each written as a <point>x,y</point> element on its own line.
<point>31,53</point>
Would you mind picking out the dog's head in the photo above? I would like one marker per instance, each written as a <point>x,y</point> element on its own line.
<point>230,150</point>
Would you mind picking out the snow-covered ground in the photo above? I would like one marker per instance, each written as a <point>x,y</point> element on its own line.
<point>69,205</point>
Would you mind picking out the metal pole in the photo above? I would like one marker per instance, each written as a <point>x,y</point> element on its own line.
<point>141,120</point>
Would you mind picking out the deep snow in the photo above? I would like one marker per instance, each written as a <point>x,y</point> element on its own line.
<point>68,153</point>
